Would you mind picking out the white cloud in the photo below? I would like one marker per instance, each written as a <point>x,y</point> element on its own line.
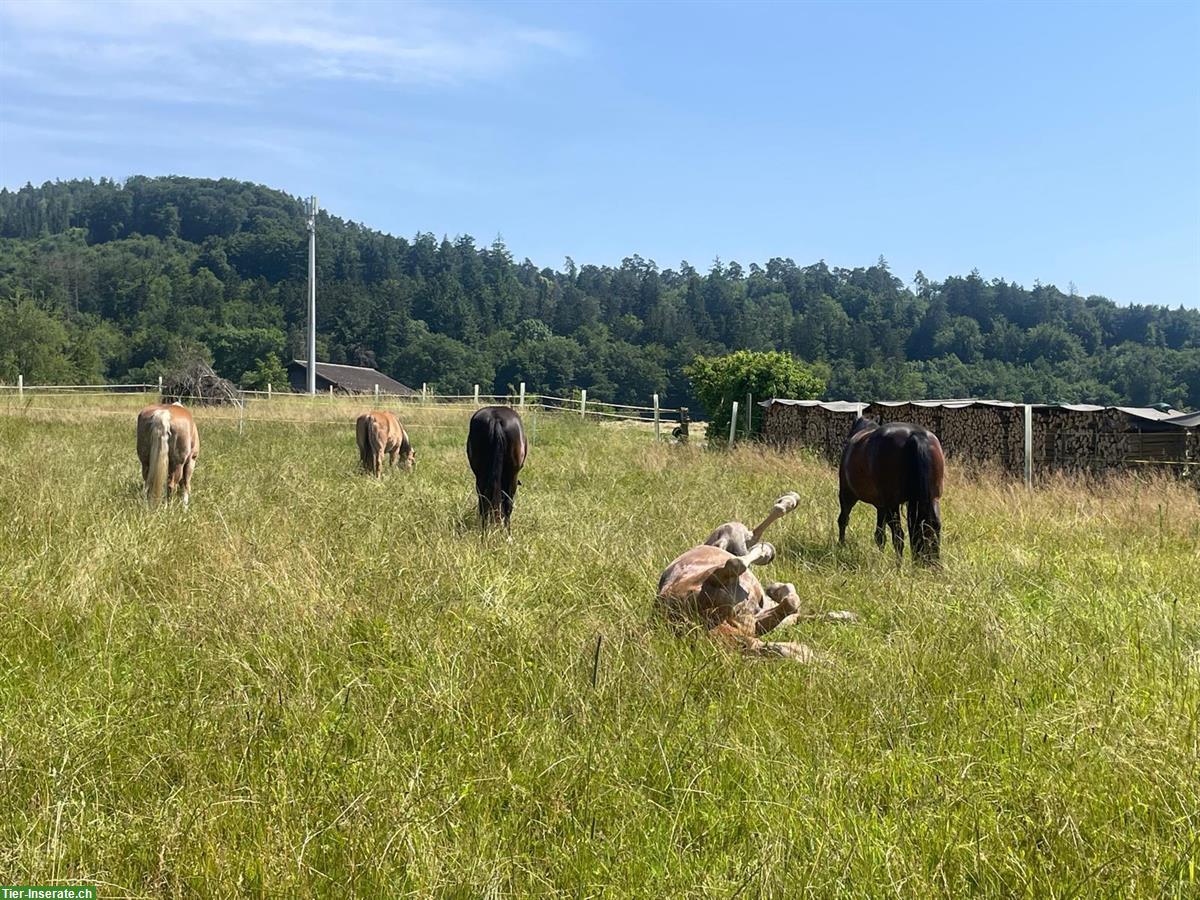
<point>213,50</point>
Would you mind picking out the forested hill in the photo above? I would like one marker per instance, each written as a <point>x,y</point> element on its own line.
<point>111,281</point>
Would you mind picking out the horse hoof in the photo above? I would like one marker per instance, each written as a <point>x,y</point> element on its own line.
<point>787,502</point>
<point>841,615</point>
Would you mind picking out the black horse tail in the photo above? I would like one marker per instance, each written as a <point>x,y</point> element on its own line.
<point>498,438</point>
<point>924,525</point>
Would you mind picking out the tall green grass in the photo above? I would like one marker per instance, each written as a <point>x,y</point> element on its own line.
<point>313,683</point>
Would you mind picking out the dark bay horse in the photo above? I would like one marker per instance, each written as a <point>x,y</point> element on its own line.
<point>889,465</point>
<point>496,449</point>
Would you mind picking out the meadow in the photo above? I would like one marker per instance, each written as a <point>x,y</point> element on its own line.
<point>313,683</point>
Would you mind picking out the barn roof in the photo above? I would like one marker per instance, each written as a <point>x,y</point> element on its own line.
<point>357,379</point>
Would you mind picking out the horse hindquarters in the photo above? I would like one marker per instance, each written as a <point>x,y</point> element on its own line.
<point>158,456</point>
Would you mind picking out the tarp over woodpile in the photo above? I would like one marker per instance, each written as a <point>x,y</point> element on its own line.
<point>1075,436</point>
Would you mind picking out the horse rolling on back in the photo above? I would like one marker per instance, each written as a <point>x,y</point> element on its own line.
<point>167,446</point>
<point>496,449</point>
<point>380,434</point>
<point>890,465</point>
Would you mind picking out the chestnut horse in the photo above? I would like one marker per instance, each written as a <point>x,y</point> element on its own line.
<point>380,434</point>
<point>712,586</point>
<point>496,450</point>
<point>889,465</point>
<point>167,445</point>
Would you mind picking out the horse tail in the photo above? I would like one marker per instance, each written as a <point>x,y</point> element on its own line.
<point>160,452</point>
<point>499,441</point>
<point>924,528</point>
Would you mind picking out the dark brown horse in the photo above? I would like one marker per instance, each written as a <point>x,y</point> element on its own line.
<point>889,465</point>
<point>496,449</point>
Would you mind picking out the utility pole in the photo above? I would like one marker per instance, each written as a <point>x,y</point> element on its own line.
<point>312,295</point>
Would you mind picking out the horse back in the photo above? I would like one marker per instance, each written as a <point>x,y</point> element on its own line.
<point>885,465</point>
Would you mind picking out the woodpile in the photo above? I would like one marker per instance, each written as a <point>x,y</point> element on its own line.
<point>821,427</point>
<point>1094,439</point>
<point>978,431</point>
<point>1065,438</point>
<point>197,383</point>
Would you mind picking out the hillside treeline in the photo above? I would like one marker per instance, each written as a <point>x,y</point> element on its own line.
<point>119,281</point>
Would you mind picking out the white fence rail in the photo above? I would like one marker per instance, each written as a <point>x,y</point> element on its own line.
<point>587,408</point>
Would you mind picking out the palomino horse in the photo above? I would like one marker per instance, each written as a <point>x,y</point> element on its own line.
<point>167,444</point>
<point>380,434</point>
<point>496,450</point>
<point>711,586</point>
<point>889,465</point>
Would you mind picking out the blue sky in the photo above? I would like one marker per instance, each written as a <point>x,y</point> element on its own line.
<point>1058,142</point>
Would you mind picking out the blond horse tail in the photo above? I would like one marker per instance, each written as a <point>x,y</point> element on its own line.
<point>160,438</point>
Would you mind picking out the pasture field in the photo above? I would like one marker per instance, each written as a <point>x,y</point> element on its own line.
<point>316,684</point>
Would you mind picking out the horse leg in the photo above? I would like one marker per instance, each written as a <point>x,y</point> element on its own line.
<point>893,520</point>
<point>729,636</point>
<point>782,507</point>
<point>880,521</point>
<point>185,483</point>
<point>847,501</point>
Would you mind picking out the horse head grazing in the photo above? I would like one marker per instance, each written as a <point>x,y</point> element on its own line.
<point>496,450</point>
<point>889,466</point>
<point>380,434</point>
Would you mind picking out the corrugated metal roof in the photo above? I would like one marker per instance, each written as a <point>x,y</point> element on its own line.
<point>357,378</point>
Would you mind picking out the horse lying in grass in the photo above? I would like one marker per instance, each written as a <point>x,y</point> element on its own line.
<point>889,465</point>
<point>167,445</point>
<point>711,586</point>
<point>380,434</point>
<point>496,450</point>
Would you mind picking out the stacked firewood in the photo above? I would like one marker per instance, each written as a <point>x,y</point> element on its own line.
<point>813,427</point>
<point>978,432</point>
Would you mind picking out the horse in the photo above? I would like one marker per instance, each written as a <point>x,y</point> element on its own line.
<point>889,465</point>
<point>168,445</point>
<point>711,586</point>
<point>496,450</point>
<point>380,433</point>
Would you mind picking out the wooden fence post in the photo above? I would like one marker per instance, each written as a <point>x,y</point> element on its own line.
<point>376,393</point>
<point>476,395</point>
<point>521,402</point>
<point>20,387</point>
<point>733,424</point>
<point>683,424</point>
<point>657,423</point>
<point>241,411</point>
<point>749,420</point>
<point>1028,446</point>
<point>583,403</point>
<point>160,386</point>
<point>268,390</point>
<point>331,392</point>
<point>423,391</point>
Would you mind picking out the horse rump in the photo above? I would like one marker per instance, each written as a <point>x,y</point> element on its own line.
<point>494,440</point>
